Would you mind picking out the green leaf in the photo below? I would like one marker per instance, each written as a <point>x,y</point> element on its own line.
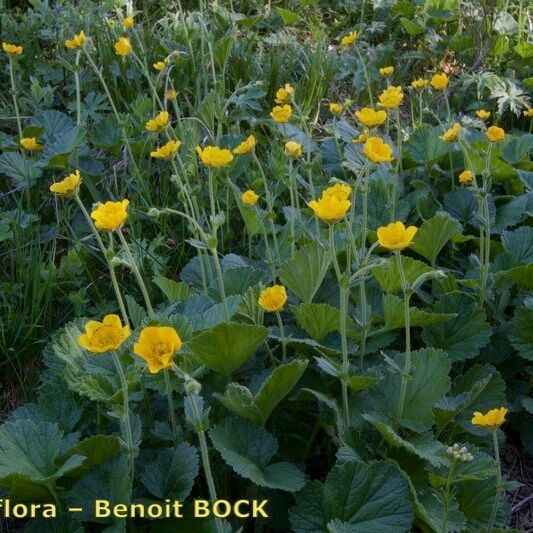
<point>483,466</point>
<point>519,243</point>
<point>524,50</point>
<point>412,28</point>
<point>476,499</point>
<point>388,274</point>
<point>433,234</point>
<point>360,382</point>
<point>289,17</point>
<point>21,170</point>
<point>280,382</point>
<point>276,386</point>
<point>517,148</point>
<point>249,214</point>
<point>304,274</point>
<point>93,377</point>
<point>425,147</point>
<point>237,280</point>
<point>174,291</point>
<point>96,450</point>
<point>109,482</point>
<point>394,316</point>
<point>521,275</point>
<point>429,382</point>
<point>318,320</point>
<point>435,510</point>
<point>172,474</point>
<point>356,497</point>
<point>481,388</point>
<point>249,451</point>
<point>521,336</point>
<point>465,335</point>
<point>422,445</point>
<point>510,213</point>
<point>226,346</point>
<point>29,451</point>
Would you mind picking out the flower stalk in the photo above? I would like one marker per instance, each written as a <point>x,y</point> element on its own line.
<point>499,481</point>
<point>136,273</point>
<point>407,291</point>
<point>105,253</point>
<point>14,95</point>
<point>344,290</point>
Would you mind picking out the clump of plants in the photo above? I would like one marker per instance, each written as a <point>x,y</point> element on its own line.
<point>294,265</point>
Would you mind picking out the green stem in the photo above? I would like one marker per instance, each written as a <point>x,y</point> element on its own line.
<point>407,362</point>
<point>112,274</point>
<point>128,432</point>
<point>445,509</point>
<point>362,284</point>
<point>498,481</point>
<point>78,91</point>
<point>220,276</point>
<point>136,273</point>
<point>282,333</point>
<point>125,137</point>
<point>344,289</point>
<point>365,74</point>
<point>270,204</point>
<point>205,461</point>
<point>452,177</point>
<point>171,409</point>
<point>14,95</point>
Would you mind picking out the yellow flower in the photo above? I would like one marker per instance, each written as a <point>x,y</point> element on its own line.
<point>249,197</point>
<point>370,118</point>
<point>293,149</point>
<point>111,215</point>
<point>283,94</point>
<point>330,207</point>
<point>482,114</point>
<point>492,419</point>
<point>362,137</point>
<point>466,177</point>
<point>281,113</point>
<point>77,42</point>
<point>272,299</point>
<point>67,186</point>
<point>391,97</point>
<point>377,150</point>
<point>157,346</point>
<point>246,146</point>
<point>123,47</point>
<point>386,71</point>
<point>128,22</point>
<point>349,38</point>
<point>12,49</point>
<point>167,150</point>
<point>105,336</point>
<point>528,112</point>
<point>159,65</point>
<point>495,134</point>
<point>395,236</point>
<point>420,83</point>
<point>451,134</point>
<point>30,144</point>
<point>170,94</point>
<point>159,122</point>
<point>335,108</point>
<point>341,191</point>
<point>215,157</point>
<point>440,81</point>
